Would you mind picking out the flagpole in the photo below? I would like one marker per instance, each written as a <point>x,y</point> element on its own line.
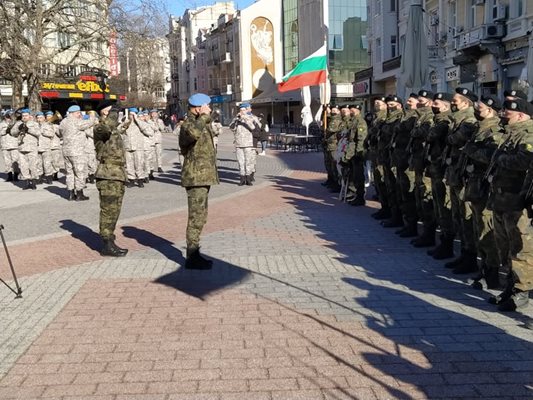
<point>325,22</point>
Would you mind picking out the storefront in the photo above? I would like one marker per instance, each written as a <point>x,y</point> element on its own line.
<point>515,64</point>
<point>86,92</point>
<point>362,91</point>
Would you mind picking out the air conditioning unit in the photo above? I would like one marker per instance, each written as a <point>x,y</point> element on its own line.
<point>493,31</point>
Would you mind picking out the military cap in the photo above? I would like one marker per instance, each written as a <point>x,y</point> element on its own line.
<point>73,108</point>
<point>332,106</point>
<point>104,104</point>
<point>395,98</point>
<point>467,93</point>
<point>134,110</point>
<point>345,107</point>
<point>491,102</point>
<point>443,96</point>
<point>515,93</point>
<point>413,95</point>
<point>425,93</point>
<point>25,111</point>
<point>154,110</point>
<point>356,106</point>
<point>381,98</point>
<point>199,99</point>
<point>48,113</point>
<point>39,114</point>
<point>518,105</point>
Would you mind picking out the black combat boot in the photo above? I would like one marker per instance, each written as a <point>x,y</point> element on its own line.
<point>160,169</point>
<point>80,196</point>
<point>9,177</point>
<point>409,231</point>
<point>92,178</point>
<point>109,249</point>
<point>248,179</point>
<point>196,261</point>
<point>130,184</point>
<point>56,177</point>
<point>426,240</point>
<point>444,249</point>
<point>252,176</point>
<point>151,175</point>
<point>506,294</point>
<point>40,180</point>
<point>468,265</point>
<point>492,278</point>
<point>455,263</point>
<point>358,201</point>
<point>147,180</point>
<point>34,184</point>
<point>242,180</point>
<point>15,177</point>
<point>517,300</point>
<point>71,195</point>
<point>395,221</point>
<point>48,179</point>
<point>140,183</point>
<point>115,247</point>
<point>28,185</point>
<point>383,213</point>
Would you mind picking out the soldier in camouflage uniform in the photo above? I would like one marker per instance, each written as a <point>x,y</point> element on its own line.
<point>147,129</point>
<point>434,149</point>
<point>110,176</point>
<point>405,178</point>
<point>159,128</point>
<point>333,131</point>
<point>354,155</point>
<point>45,169</point>
<point>134,146</point>
<point>418,164</point>
<point>371,146</point>
<point>395,114</point>
<point>464,125</point>
<point>243,126</point>
<point>10,147</point>
<point>90,152</point>
<point>56,147</point>
<point>72,130</point>
<point>507,176</point>
<point>199,173</point>
<point>28,132</point>
<point>478,154</point>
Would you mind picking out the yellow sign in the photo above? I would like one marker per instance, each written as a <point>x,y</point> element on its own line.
<point>82,86</point>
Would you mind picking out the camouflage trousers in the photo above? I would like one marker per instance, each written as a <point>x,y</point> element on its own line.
<point>197,198</point>
<point>11,160</point>
<point>111,194</point>
<point>76,171</point>
<point>149,160</point>
<point>462,219</point>
<point>508,235</point>
<point>379,183</point>
<point>487,249</point>
<point>44,166</point>
<point>424,202</point>
<point>331,166</point>
<point>523,262</point>
<point>92,164</point>
<point>442,206</point>
<point>28,163</point>
<point>254,158</point>
<point>245,159</point>
<point>405,193</point>
<point>356,179</point>
<point>58,163</point>
<point>390,188</point>
<point>158,159</point>
<point>135,164</point>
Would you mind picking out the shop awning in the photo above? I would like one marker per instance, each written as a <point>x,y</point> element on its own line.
<point>86,88</point>
<point>273,96</point>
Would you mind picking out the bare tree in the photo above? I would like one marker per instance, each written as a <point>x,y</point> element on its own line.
<point>43,38</point>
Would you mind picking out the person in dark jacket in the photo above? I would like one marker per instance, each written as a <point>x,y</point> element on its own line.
<point>263,135</point>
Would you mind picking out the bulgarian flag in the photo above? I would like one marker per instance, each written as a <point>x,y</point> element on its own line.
<point>311,71</point>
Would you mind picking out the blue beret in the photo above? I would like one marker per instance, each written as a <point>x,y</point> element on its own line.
<point>39,114</point>
<point>199,99</point>
<point>48,113</point>
<point>74,108</point>
<point>133,110</point>
<point>25,111</point>
<point>154,110</point>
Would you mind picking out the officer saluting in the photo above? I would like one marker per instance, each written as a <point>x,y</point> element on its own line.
<point>199,172</point>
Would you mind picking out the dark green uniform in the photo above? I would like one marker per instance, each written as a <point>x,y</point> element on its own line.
<point>418,164</point>
<point>434,151</point>
<point>405,181</point>
<point>335,127</point>
<point>354,155</point>
<point>198,174</point>
<point>464,125</point>
<point>111,173</point>
<point>371,146</point>
<point>523,261</point>
<point>384,146</point>
<point>478,154</point>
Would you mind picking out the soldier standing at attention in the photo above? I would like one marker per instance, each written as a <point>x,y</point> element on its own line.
<point>55,147</point>
<point>159,128</point>
<point>110,176</point>
<point>243,125</point>
<point>333,131</point>
<point>147,129</point>
<point>10,147</point>
<point>355,153</point>
<point>45,153</point>
<point>134,145</point>
<point>199,173</point>
<point>73,130</point>
<point>28,132</point>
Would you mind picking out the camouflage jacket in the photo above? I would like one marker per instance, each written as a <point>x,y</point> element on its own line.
<point>243,127</point>
<point>401,139</point>
<point>158,127</point>
<point>147,129</point>
<point>335,127</point>
<point>198,150</point>
<point>371,141</point>
<point>436,143</point>
<point>89,142</point>
<point>56,140</point>
<point>357,136</point>
<point>386,134</point>
<point>28,135</point>
<point>7,141</point>
<point>110,150</point>
<point>74,137</point>
<point>133,137</point>
<point>419,134</point>
<point>47,134</point>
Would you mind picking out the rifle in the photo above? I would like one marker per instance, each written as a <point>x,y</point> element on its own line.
<point>492,165</point>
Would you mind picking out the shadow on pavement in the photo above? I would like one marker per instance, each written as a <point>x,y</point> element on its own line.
<point>82,233</point>
<point>59,191</point>
<point>149,240</point>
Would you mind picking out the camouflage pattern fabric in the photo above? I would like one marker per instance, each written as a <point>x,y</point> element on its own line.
<point>58,163</point>
<point>197,216</point>
<point>111,193</point>
<point>28,163</point>
<point>44,165</point>
<point>110,149</point>
<point>196,144</point>
<point>76,171</point>
<point>245,160</point>
<point>11,160</point>
<point>523,261</point>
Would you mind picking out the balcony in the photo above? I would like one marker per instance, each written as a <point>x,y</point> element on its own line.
<point>391,64</point>
<point>475,36</point>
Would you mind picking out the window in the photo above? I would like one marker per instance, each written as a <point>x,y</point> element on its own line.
<point>394,46</point>
<point>472,14</point>
<point>336,42</point>
<point>378,7</point>
<point>45,69</point>
<point>64,40</point>
<point>378,50</point>
<point>393,5</point>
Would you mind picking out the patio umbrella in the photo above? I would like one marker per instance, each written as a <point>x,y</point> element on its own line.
<point>415,59</point>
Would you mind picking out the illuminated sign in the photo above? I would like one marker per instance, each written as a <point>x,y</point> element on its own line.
<point>81,86</point>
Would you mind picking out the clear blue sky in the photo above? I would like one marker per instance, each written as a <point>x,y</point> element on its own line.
<point>176,7</point>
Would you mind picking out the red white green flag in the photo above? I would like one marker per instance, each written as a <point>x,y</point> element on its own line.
<point>311,71</point>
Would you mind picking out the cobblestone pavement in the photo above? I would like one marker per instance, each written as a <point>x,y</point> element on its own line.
<point>309,299</point>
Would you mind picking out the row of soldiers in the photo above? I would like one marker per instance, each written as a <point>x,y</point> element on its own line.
<point>462,164</point>
<point>37,146</point>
